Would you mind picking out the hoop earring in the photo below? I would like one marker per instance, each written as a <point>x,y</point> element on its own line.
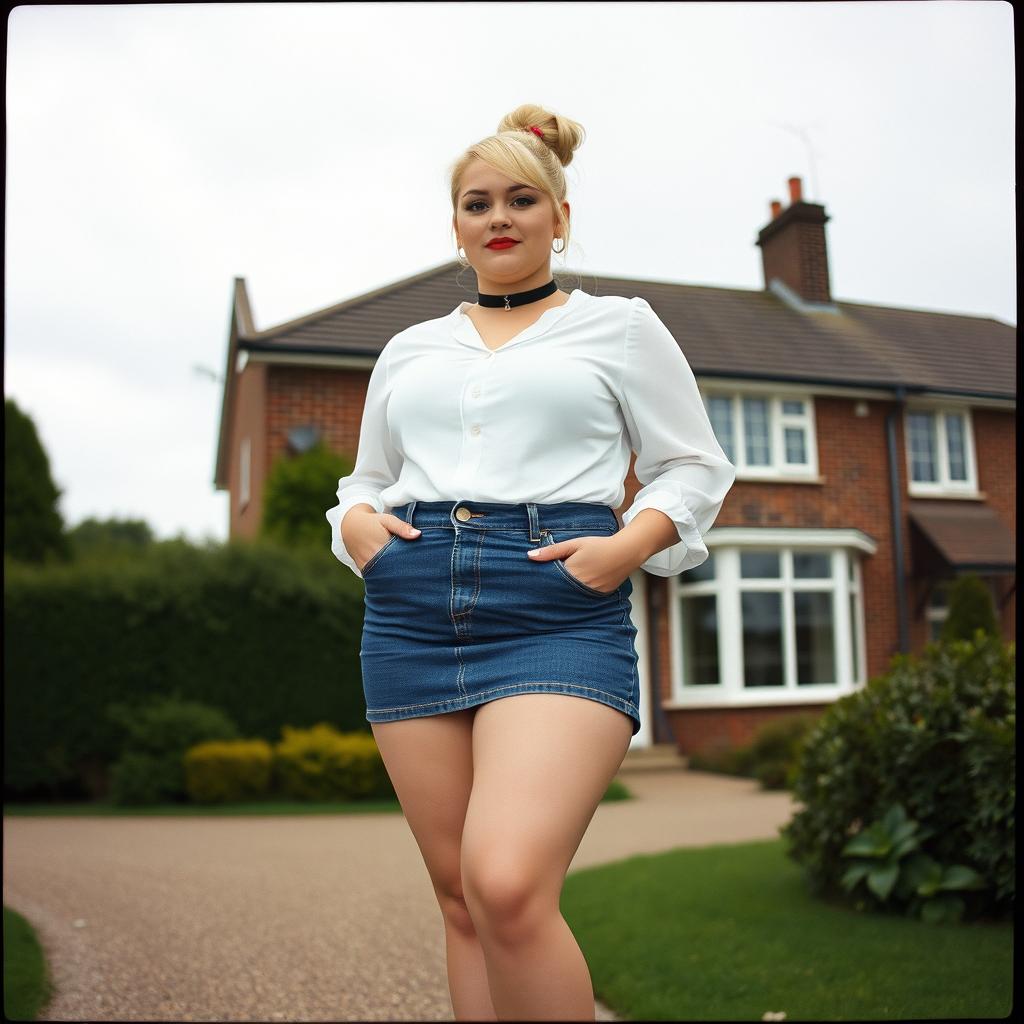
<point>558,252</point>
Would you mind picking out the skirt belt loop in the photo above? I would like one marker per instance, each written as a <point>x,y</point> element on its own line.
<point>409,511</point>
<point>535,532</point>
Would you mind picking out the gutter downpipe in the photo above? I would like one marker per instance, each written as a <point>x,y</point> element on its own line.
<point>896,505</point>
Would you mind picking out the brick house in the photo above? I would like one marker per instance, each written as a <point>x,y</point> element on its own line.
<point>875,449</point>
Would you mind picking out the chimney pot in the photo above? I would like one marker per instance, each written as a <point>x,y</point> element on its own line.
<point>776,208</point>
<point>794,190</point>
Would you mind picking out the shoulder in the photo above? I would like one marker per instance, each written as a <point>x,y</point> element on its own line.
<point>415,336</point>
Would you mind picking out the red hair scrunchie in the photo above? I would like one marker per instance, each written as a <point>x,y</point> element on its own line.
<point>536,131</point>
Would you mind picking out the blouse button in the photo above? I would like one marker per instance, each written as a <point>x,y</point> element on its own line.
<point>476,428</point>
<point>476,392</point>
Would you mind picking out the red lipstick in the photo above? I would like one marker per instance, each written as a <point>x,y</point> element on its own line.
<point>501,243</point>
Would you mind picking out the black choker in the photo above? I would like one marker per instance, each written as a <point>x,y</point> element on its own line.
<point>517,298</point>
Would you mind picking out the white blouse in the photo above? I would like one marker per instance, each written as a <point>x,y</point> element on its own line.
<point>549,416</point>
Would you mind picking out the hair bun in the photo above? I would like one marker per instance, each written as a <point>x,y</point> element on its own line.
<point>562,135</point>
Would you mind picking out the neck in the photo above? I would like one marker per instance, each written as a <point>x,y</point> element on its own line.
<point>492,286</point>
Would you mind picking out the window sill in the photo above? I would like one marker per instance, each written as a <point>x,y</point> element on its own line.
<point>946,495</point>
<point>815,695</point>
<point>779,479</point>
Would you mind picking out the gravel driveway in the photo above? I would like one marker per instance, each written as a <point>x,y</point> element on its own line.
<point>290,917</point>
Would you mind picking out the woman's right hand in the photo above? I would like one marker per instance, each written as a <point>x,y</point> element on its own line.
<point>364,532</point>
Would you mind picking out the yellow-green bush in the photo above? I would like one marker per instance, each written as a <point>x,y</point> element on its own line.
<point>223,770</point>
<point>321,763</point>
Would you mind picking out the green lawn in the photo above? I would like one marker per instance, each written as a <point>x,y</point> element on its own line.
<point>728,932</point>
<point>27,986</point>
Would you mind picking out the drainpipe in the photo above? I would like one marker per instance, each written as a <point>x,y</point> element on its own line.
<point>897,519</point>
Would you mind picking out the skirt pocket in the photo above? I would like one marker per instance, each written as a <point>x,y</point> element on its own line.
<point>559,564</point>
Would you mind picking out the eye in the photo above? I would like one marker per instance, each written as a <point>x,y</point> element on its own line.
<point>479,202</point>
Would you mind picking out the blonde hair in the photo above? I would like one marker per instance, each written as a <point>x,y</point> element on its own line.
<point>522,155</point>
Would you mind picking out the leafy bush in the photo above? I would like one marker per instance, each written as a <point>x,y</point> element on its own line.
<point>935,735</point>
<point>221,771</point>
<point>151,766</point>
<point>888,858</point>
<point>267,633</point>
<point>299,489</point>
<point>970,608</point>
<point>771,757</point>
<point>323,764</point>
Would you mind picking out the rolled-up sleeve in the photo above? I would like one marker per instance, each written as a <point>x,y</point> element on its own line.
<point>377,464</point>
<point>682,467</point>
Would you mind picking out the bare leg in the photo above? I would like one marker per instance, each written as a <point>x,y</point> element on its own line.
<point>430,762</point>
<point>541,763</point>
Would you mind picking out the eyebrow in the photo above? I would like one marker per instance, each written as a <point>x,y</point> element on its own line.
<point>484,192</point>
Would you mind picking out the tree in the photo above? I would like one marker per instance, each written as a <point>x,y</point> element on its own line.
<point>110,535</point>
<point>299,490</point>
<point>970,607</point>
<point>33,525</point>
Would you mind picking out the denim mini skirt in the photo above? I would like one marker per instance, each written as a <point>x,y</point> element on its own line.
<point>460,615</point>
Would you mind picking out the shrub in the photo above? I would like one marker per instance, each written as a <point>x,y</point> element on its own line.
<point>321,763</point>
<point>299,488</point>
<point>774,752</point>
<point>771,756</point>
<point>970,608</point>
<point>221,771</point>
<point>151,767</point>
<point>935,735</point>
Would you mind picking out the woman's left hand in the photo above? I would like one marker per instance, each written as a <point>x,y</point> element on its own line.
<point>602,563</point>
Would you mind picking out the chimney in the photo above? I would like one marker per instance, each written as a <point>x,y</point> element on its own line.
<point>793,248</point>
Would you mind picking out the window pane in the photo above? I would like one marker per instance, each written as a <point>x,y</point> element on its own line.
<point>762,638</point>
<point>812,565</point>
<point>956,446</point>
<point>762,565</point>
<point>793,406</point>
<point>755,431</point>
<point>922,447</point>
<point>720,414</point>
<point>815,637</point>
<point>704,571</point>
<point>796,447</point>
<point>700,640</point>
<point>854,637</point>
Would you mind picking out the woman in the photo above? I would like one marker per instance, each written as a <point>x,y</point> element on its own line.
<point>498,657</point>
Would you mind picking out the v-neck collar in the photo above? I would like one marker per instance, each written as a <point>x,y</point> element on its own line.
<point>466,331</point>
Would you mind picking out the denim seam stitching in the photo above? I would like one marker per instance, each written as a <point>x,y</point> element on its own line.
<point>511,686</point>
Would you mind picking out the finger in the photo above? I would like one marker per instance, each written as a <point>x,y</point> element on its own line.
<point>549,551</point>
<point>401,527</point>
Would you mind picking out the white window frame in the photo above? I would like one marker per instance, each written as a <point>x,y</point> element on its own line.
<point>778,468</point>
<point>846,548</point>
<point>944,486</point>
<point>244,472</point>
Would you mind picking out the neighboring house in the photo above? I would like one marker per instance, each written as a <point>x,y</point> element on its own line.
<point>875,449</point>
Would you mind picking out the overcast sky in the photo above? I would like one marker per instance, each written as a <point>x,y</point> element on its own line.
<point>155,152</point>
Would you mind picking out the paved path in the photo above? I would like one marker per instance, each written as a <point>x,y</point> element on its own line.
<point>297,918</point>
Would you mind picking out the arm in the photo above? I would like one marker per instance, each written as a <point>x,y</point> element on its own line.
<point>684,471</point>
<point>377,464</point>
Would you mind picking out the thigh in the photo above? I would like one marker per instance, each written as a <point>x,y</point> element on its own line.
<point>430,762</point>
<point>541,763</point>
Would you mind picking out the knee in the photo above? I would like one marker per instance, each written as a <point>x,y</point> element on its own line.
<point>502,897</point>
